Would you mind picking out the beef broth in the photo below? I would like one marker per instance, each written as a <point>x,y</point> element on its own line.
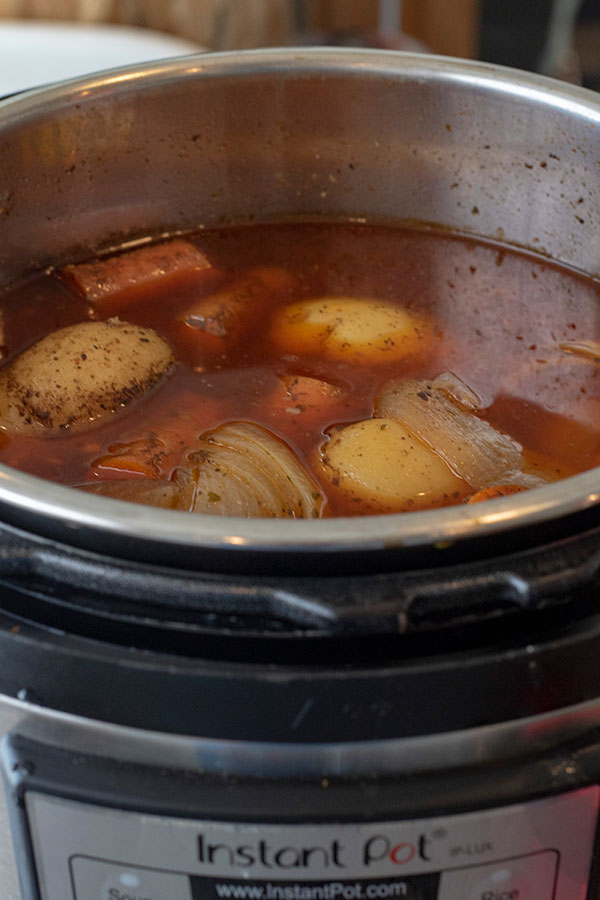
<point>300,329</point>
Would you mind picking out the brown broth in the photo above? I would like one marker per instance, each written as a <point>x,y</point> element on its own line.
<point>500,316</point>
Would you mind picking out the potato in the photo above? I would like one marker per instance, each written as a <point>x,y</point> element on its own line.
<point>380,462</point>
<point>78,374</point>
<point>350,329</point>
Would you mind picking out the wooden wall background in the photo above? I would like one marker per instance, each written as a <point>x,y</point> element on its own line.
<point>450,27</point>
<point>444,26</point>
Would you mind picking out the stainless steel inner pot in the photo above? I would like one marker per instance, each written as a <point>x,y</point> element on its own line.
<point>261,135</point>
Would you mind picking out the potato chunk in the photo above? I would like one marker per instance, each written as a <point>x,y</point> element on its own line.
<point>78,374</point>
<point>381,463</point>
<point>350,329</point>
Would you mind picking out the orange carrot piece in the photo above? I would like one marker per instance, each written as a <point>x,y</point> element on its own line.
<point>137,458</point>
<point>304,402</point>
<point>493,493</point>
<point>225,315</point>
<point>102,280</point>
<point>301,393</point>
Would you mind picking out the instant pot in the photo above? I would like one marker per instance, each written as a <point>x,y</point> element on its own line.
<point>204,708</point>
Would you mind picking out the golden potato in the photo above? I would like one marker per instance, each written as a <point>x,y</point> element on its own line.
<point>350,329</point>
<point>78,374</point>
<point>382,463</point>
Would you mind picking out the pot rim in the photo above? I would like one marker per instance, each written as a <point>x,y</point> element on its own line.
<point>440,528</point>
<point>34,498</point>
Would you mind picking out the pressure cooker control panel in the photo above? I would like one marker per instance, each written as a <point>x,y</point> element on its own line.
<point>540,850</point>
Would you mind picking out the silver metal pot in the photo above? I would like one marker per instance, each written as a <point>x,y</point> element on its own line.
<point>142,760</point>
<point>301,133</point>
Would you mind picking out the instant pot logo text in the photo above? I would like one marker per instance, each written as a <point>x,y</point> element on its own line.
<point>376,851</point>
<point>263,853</point>
<point>380,848</point>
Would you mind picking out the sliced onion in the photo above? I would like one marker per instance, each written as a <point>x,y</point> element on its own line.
<point>241,469</point>
<point>588,349</point>
<point>457,391</point>
<point>474,449</point>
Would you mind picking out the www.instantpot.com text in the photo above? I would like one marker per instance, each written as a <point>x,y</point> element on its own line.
<point>331,890</point>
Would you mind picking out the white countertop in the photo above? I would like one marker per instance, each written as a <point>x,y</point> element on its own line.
<point>34,53</point>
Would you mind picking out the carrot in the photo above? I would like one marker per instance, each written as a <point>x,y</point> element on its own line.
<point>214,321</point>
<point>300,394</point>
<point>115,283</point>
<point>304,403</point>
<point>493,493</point>
<point>137,458</point>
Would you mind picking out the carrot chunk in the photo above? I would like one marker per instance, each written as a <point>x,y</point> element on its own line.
<point>136,458</point>
<point>492,493</point>
<point>217,320</point>
<point>304,402</point>
<point>105,280</point>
